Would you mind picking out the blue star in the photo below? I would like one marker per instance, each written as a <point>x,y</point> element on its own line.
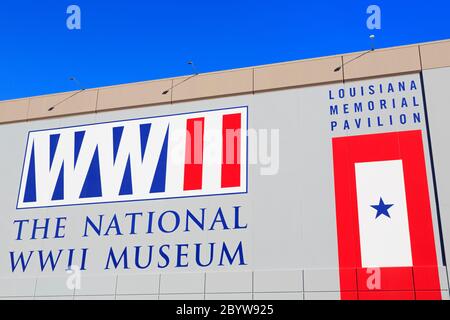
<point>382,209</point>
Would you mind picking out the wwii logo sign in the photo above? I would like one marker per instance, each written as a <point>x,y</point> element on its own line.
<point>182,155</point>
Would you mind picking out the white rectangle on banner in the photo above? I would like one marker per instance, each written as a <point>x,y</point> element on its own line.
<point>383,214</point>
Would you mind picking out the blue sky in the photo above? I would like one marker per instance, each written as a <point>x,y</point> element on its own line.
<point>136,40</point>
